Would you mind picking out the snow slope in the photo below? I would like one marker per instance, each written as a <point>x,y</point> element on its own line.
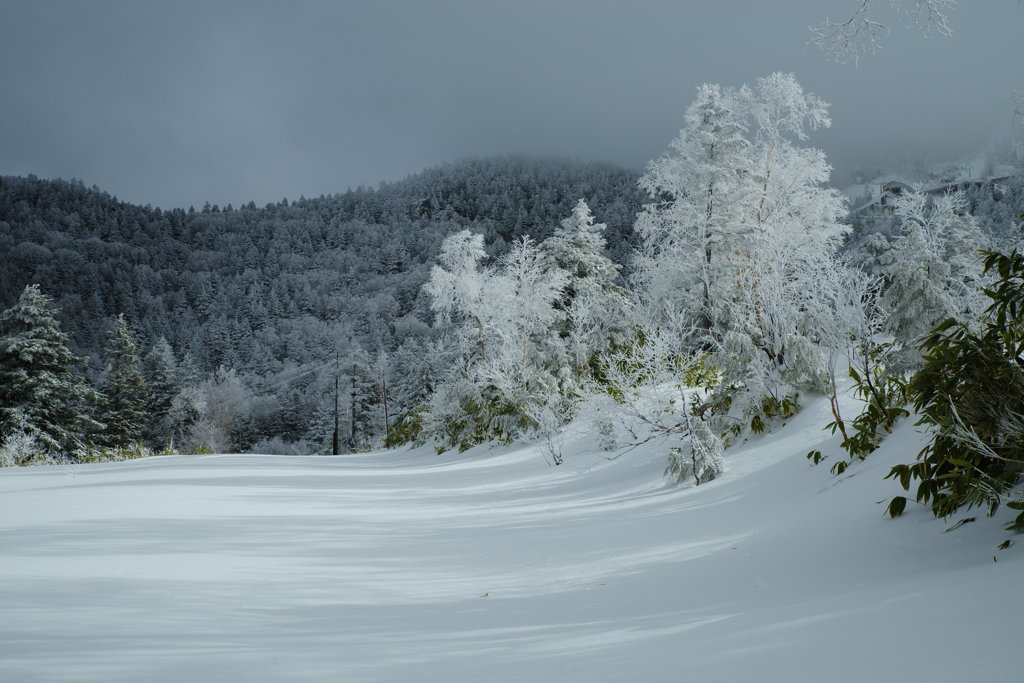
<point>494,566</point>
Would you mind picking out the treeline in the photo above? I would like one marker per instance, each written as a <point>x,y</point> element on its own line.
<point>278,295</point>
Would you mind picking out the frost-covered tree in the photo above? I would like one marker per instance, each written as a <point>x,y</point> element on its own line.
<point>185,413</point>
<point>593,302</point>
<point>702,455</point>
<point>694,234</point>
<point>740,230</point>
<point>527,360</point>
<point>795,226</point>
<point>125,394</point>
<point>222,401</point>
<point>861,33</point>
<point>20,444</point>
<point>651,389</point>
<point>504,322</point>
<point>39,388</point>
<point>413,371</point>
<point>459,290</point>
<point>366,399</point>
<point>161,372</point>
<point>846,319</point>
<point>935,270</point>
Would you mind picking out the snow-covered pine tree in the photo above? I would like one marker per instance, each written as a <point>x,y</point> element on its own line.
<point>160,371</point>
<point>595,305</point>
<point>935,271</point>
<point>125,394</point>
<point>185,413</point>
<point>458,287</point>
<point>38,382</point>
<point>413,372</point>
<point>366,400</point>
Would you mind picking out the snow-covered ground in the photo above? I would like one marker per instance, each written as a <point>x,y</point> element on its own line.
<point>494,566</point>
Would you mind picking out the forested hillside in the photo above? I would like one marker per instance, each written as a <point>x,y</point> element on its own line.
<point>273,293</point>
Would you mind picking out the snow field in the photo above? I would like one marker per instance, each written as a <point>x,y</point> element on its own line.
<point>494,566</point>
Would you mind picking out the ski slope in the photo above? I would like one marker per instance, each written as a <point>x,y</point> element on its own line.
<point>494,566</point>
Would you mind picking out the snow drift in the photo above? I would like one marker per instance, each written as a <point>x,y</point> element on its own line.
<point>494,566</point>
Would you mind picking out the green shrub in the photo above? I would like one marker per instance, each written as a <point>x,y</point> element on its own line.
<point>970,389</point>
<point>773,408</point>
<point>408,431</point>
<point>885,399</point>
<point>134,451</point>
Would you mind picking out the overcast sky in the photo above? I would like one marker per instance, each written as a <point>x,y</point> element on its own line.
<point>178,103</point>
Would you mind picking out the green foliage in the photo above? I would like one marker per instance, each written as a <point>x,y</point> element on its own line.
<point>698,372</point>
<point>468,416</point>
<point>38,382</point>
<point>126,395</point>
<point>896,506</point>
<point>408,431</point>
<point>774,408</point>
<point>970,389</point>
<point>485,419</point>
<point>161,372</point>
<point>133,451</point>
<point>885,398</point>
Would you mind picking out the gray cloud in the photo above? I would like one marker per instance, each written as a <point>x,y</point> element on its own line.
<point>180,103</point>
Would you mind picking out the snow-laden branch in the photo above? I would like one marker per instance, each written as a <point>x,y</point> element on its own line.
<point>844,41</point>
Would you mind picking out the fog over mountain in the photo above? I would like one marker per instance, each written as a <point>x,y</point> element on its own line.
<point>181,103</point>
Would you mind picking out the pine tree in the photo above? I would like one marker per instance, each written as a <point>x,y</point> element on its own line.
<point>935,272</point>
<point>37,377</point>
<point>126,394</point>
<point>366,400</point>
<point>160,371</point>
<point>594,304</point>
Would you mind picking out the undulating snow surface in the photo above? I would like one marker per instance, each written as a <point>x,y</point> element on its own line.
<point>494,566</point>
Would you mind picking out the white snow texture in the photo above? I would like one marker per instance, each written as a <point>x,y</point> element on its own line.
<point>495,566</point>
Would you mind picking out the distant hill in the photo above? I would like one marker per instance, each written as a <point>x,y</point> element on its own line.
<point>269,289</point>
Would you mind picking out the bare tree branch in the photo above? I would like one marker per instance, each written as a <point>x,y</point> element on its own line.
<point>846,41</point>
